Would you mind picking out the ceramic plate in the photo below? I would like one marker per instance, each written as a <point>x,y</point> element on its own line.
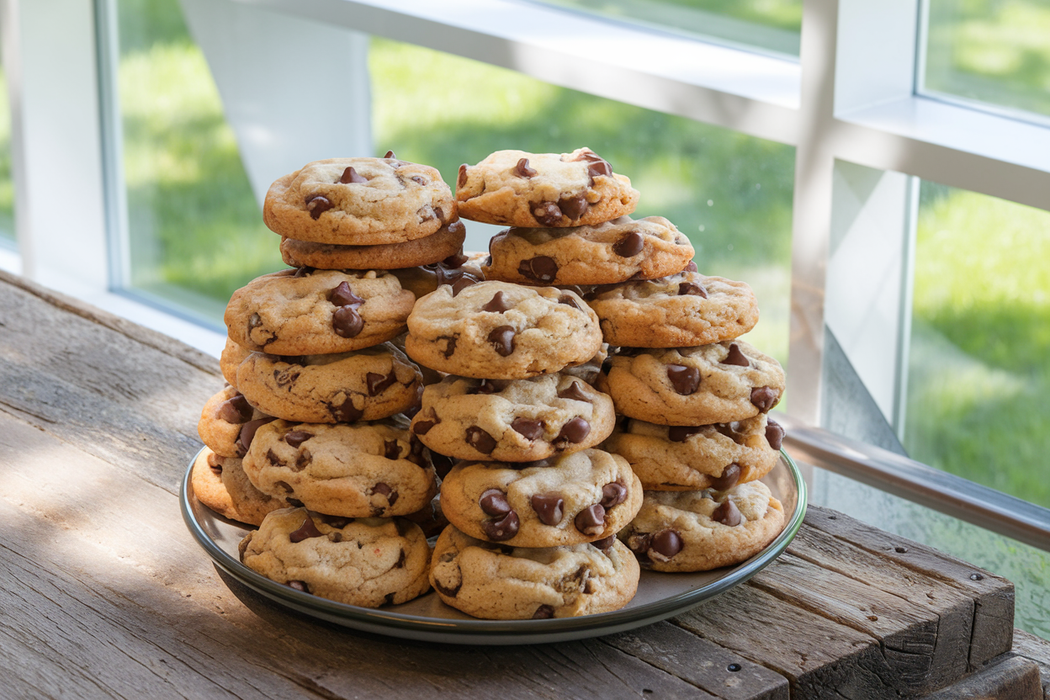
<point>660,595</point>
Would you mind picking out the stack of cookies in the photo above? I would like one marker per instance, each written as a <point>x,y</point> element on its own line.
<point>534,506</point>
<point>309,441</point>
<point>692,397</point>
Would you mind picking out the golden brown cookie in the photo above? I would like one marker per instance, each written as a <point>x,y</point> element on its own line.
<point>447,241</point>
<point>543,189</point>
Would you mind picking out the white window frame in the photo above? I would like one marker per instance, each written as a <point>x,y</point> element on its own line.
<point>848,106</point>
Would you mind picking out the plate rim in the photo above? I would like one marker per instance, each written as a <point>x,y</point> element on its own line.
<point>480,631</point>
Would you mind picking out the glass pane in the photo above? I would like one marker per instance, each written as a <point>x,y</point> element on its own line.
<point>729,192</point>
<point>7,190</point>
<point>195,229</point>
<point>993,51</point>
<point>768,25</point>
<point>979,369</point>
<point>1026,567</point>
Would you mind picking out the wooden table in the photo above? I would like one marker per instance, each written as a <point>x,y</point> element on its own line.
<point>105,594</point>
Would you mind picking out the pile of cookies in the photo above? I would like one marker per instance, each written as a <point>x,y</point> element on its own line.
<point>544,386</point>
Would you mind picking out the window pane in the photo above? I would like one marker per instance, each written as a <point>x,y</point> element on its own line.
<point>769,25</point>
<point>979,369</point>
<point>7,190</point>
<point>195,229</point>
<point>994,52</point>
<point>729,192</point>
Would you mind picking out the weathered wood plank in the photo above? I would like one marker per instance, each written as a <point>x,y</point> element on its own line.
<point>950,609</point>
<point>993,596</point>
<point>819,657</point>
<point>1037,650</point>
<point>1006,678</point>
<point>906,633</point>
<point>719,672</point>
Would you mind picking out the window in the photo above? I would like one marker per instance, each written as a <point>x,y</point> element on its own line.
<point>854,125</point>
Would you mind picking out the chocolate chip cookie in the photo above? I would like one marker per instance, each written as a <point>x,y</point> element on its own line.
<point>682,310</point>
<point>716,383</point>
<point>688,458</point>
<point>499,330</point>
<point>607,253</point>
<point>703,530</point>
<point>497,582</point>
<point>354,470</point>
<point>220,484</point>
<point>366,384</point>
<point>367,562</point>
<point>448,240</point>
<point>517,420</point>
<point>314,312</point>
<point>571,499</point>
<point>548,190</point>
<point>359,201</point>
<point>228,423</point>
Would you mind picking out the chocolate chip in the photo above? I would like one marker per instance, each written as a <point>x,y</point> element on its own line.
<point>457,279</point>
<point>630,245</point>
<point>522,168</point>
<point>461,179</point>
<point>303,460</point>
<point>497,304</point>
<point>420,180</point>
<point>244,440</point>
<point>351,176</point>
<point>547,213</point>
<point>692,289</point>
<point>346,322</point>
<point>502,340</point>
<point>605,542</point>
<point>299,586</point>
<point>422,427</point>
<point>591,520</point>
<point>727,513</point>
<point>493,502</point>
<point>284,486</point>
<point>691,266</point>
<point>730,477</point>
<point>544,612</point>
<point>450,345</point>
<point>378,383</point>
<point>317,204</point>
<point>305,531</point>
<point>345,412</point>
<point>549,507</point>
<point>235,409</point>
<point>539,269</point>
<point>385,490</point>
<point>599,167</point>
<point>392,449</point>
<point>764,398</point>
<point>685,380</point>
<point>664,544</point>
<point>574,207</point>
<point>458,258</point>
<point>735,356</point>
<point>528,428</point>
<point>775,434</point>
<point>480,440</point>
<point>613,494</point>
<point>446,591</point>
<point>681,433</point>
<point>343,295</point>
<point>400,564</point>
<point>732,431</point>
<point>569,300</point>
<point>273,459</point>
<point>574,392</point>
<point>574,431</point>
<point>501,529</point>
<point>295,438</point>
